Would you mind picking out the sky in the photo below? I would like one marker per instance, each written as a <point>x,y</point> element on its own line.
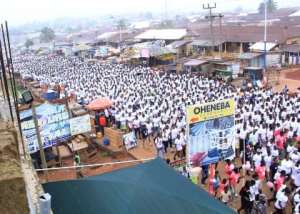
<point>18,12</point>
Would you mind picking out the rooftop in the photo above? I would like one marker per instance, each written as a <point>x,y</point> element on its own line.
<point>163,34</point>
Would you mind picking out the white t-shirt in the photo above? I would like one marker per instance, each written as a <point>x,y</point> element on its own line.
<point>281,200</point>
<point>178,144</point>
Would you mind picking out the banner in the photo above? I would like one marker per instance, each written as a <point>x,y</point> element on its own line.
<point>54,126</point>
<point>80,125</point>
<point>211,135</point>
<point>129,140</point>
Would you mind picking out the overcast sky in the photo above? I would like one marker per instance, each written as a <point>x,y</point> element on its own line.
<point>23,11</point>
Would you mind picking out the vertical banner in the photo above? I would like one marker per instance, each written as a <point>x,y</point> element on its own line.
<point>211,132</point>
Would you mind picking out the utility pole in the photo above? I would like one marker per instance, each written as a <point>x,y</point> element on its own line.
<point>166,10</point>
<point>265,38</point>
<point>221,16</point>
<point>210,17</point>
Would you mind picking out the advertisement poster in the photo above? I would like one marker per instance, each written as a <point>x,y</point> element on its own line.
<point>53,123</point>
<point>80,125</point>
<point>211,135</point>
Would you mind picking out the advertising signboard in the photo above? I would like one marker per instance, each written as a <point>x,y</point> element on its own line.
<point>211,132</point>
<point>54,126</point>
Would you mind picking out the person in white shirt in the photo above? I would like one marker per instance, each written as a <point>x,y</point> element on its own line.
<point>159,146</point>
<point>178,145</point>
<point>281,200</point>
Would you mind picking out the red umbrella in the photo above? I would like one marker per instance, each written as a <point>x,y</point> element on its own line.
<point>99,104</point>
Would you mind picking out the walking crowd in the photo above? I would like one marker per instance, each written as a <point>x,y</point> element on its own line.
<point>153,105</point>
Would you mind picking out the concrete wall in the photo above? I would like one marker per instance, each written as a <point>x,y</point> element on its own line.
<point>13,198</point>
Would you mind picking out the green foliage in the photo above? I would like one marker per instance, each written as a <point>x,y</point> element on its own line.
<point>47,35</point>
<point>122,24</point>
<point>271,6</point>
<point>28,43</point>
<point>167,24</point>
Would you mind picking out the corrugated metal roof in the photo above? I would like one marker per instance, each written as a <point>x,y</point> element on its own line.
<point>249,55</point>
<point>206,43</point>
<point>163,34</point>
<point>293,48</point>
<point>260,46</point>
<point>195,62</point>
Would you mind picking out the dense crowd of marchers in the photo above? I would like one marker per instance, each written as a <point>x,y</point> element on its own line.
<point>154,104</point>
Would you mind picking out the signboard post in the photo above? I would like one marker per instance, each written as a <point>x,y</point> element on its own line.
<point>36,125</point>
<point>210,132</point>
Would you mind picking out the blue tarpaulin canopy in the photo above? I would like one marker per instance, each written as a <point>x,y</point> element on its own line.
<point>149,188</point>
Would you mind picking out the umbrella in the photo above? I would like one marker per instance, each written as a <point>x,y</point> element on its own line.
<point>99,104</point>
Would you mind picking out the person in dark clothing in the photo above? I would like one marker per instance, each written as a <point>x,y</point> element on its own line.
<point>246,203</point>
<point>204,173</point>
<point>273,169</point>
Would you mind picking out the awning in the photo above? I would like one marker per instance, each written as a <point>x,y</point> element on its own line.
<point>149,188</point>
<point>195,62</point>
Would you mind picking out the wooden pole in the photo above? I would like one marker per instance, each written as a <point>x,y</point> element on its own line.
<point>38,135</point>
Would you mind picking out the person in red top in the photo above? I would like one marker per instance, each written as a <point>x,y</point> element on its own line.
<point>102,123</point>
<point>229,167</point>
<point>279,181</point>
<point>261,170</point>
<point>280,141</point>
<point>233,181</point>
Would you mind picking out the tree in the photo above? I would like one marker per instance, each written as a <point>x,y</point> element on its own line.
<point>28,43</point>
<point>122,24</point>
<point>271,6</point>
<point>166,24</point>
<point>47,35</point>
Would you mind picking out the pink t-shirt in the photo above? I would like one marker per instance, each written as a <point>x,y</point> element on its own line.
<point>280,140</point>
<point>278,183</point>
<point>261,172</point>
<point>233,178</point>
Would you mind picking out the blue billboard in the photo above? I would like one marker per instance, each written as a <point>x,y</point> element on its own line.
<point>54,126</point>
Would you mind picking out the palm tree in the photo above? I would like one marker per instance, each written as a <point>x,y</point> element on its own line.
<point>271,6</point>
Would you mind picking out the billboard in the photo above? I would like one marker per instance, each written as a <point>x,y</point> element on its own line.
<point>54,126</point>
<point>211,132</point>
<point>80,125</point>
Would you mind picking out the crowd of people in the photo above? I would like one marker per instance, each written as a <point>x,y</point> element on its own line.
<point>153,104</point>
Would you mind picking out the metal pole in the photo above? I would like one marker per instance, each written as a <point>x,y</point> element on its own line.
<point>208,7</point>
<point>8,64</point>
<point>5,82</point>
<point>14,86</point>
<point>2,87</point>
<point>265,38</point>
<point>11,62</point>
<point>38,135</point>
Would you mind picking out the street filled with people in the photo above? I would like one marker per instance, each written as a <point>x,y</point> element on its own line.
<point>153,104</point>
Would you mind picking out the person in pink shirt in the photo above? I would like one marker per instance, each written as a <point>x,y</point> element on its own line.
<point>233,181</point>
<point>280,141</point>
<point>228,167</point>
<point>279,181</point>
<point>261,170</point>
